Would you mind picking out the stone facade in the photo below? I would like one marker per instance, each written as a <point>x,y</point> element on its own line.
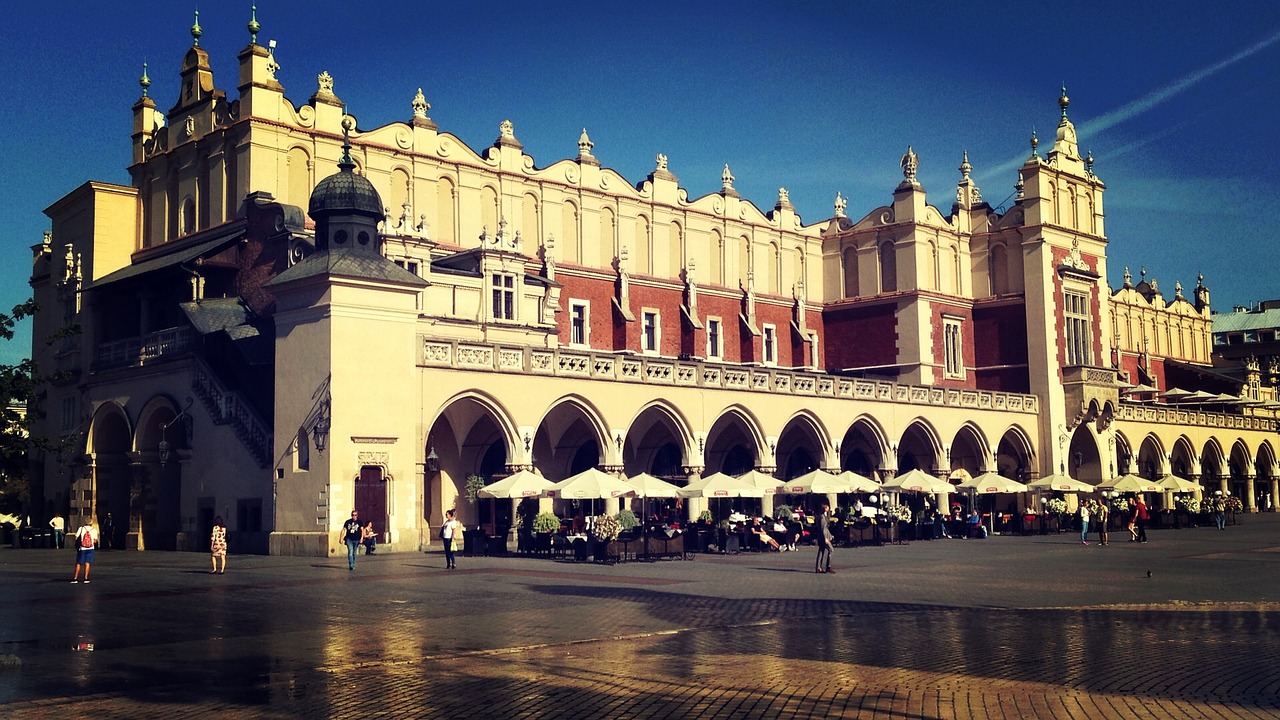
<point>564,317</point>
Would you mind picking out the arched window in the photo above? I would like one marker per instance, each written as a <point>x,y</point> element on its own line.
<point>608,226</point>
<point>888,267</point>
<point>443,230</point>
<point>850,272</point>
<point>998,260</point>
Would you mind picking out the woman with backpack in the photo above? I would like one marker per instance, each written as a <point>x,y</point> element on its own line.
<point>86,541</point>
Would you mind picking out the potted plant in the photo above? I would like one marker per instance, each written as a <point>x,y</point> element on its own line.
<point>546,523</point>
<point>626,520</point>
<point>783,513</point>
<point>475,483</point>
<point>604,531</point>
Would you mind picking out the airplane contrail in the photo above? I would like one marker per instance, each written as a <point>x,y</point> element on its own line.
<point>1144,104</point>
<point>1137,107</point>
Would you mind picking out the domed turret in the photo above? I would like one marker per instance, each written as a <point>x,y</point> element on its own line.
<point>346,207</point>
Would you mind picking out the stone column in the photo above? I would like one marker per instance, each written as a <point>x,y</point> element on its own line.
<point>139,498</point>
<point>1275,491</point>
<point>1249,504</point>
<point>694,506</point>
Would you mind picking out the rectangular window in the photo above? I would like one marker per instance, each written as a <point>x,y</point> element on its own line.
<point>578,319</point>
<point>952,347</point>
<point>713,339</point>
<point>504,297</point>
<point>770,342</point>
<point>650,337</point>
<point>1076,316</point>
<point>68,414</point>
<point>412,266</point>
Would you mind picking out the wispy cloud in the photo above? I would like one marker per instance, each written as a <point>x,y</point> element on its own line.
<point>1094,127</point>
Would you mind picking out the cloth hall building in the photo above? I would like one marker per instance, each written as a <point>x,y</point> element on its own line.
<point>286,315</point>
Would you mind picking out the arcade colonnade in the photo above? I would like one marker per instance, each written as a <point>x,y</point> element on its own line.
<point>782,422</point>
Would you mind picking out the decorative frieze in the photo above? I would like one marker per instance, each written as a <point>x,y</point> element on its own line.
<point>695,373</point>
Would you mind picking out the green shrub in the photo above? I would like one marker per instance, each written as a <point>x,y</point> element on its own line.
<point>546,522</point>
<point>782,512</point>
<point>627,519</point>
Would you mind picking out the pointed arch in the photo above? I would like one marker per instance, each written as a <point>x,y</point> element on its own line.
<point>803,445</point>
<point>735,442</point>
<point>970,450</point>
<point>919,447</point>
<point>864,447</point>
<point>1015,454</point>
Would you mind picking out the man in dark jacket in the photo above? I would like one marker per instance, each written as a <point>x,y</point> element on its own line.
<point>823,563</point>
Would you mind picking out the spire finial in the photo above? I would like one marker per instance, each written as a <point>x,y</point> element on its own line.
<point>1128,277</point>
<point>196,31</point>
<point>144,81</point>
<point>965,167</point>
<point>1088,163</point>
<point>345,162</point>
<point>1064,101</point>
<point>254,27</point>
<point>1035,143</point>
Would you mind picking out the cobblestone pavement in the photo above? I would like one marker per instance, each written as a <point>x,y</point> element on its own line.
<point>1186,626</point>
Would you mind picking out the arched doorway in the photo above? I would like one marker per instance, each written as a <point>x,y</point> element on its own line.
<point>469,438</point>
<point>1083,456</point>
<point>109,489</point>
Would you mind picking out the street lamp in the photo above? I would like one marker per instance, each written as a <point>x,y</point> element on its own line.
<point>433,460</point>
<point>164,449</point>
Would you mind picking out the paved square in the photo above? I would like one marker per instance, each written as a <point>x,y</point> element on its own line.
<point>1187,625</point>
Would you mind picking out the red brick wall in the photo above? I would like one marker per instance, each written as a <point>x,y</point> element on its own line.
<point>939,344</point>
<point>1000,338</point>
<point>667,302</point>
<point>600,319</point>
<point>860,335</point>
<point>727,309</point>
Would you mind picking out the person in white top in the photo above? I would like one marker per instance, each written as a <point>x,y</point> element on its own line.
<point>59,531</point>
<point>86,541</point>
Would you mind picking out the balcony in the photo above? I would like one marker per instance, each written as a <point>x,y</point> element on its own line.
<point>143,350</point>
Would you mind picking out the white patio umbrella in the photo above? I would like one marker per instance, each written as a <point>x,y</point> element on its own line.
<point>1130,483</point>
<point>523,484</point>
<point>992,483</point>
<point>770,484</point>
<point>647,486</point>
<point>721,486</point>
<point>1177,484</point>
<point>918,481</point>
<point>590,484</point>
<point>858,483</point>
<point>819,482</point>
<point>1061,483</point>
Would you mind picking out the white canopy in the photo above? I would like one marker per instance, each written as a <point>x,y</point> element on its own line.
<point>591,484</point>
<point>719,485</point>
<point>522,484</point>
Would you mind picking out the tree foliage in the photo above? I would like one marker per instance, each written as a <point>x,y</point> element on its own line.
<point>17,384</point>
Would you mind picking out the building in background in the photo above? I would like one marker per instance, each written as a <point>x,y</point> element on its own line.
<point>287,315</point>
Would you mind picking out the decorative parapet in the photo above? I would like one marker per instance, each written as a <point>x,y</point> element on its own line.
<point>462,355</point>
<point>1140,412</point>
<point>145,349</point>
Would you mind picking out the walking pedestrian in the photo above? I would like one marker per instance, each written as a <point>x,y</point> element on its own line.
<point>351,536</point>
<point>823,562</point>
<point>449,533</point>
<point>1084,523</point>
<point>1140,518</point>
<point>86,541</point>
<point>218,546</point>
<point>109,533</point>
<point>1219,510</point>
<point>1100,516</point>
<point>59,531</point>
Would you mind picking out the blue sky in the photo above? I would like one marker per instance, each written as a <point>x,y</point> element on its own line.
<point>1176,100</point>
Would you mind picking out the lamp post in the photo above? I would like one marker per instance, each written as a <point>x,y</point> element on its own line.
<point>164,449</point>
<point>320,430</point>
